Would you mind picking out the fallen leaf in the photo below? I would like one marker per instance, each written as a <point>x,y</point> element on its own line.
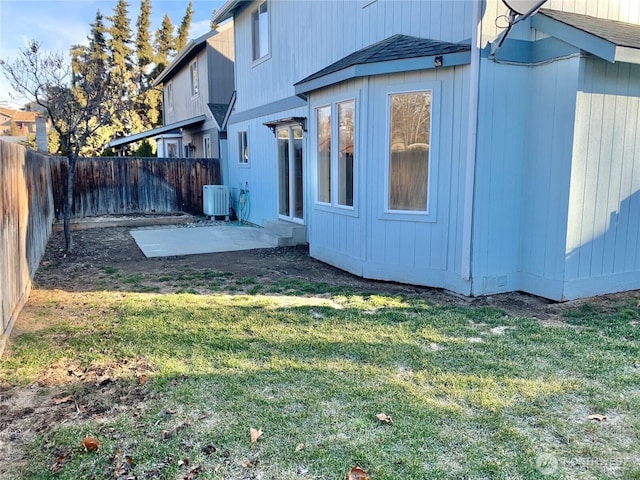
<point>193,473</point>
<point>90,444</point>
<point>249,463</point>
<point>255,434</point>
<point>384,418</point>
<point>597,416</point>
<point>61,459</point>
<point>59,401</point>
<point>356,473</point>
<point>142,379</point>
<point>123,464</point>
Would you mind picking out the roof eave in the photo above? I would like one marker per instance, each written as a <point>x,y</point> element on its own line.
<point>585,41</point>
<point>155,131</point>
<point>194,46</point>
<point>226,11</point>
<point>381,68</point>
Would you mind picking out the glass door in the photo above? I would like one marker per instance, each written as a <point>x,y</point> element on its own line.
<point>290,174</point>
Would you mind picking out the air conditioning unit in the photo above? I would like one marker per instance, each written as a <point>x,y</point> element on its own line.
<point>216,201</point>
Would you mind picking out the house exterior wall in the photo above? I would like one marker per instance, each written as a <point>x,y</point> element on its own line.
<point>184,105</point>
<point>529,222</point>
<point>525,137</point>
<point>602,253</point>
<point>548,202</point>
<point>215,85</point>
<point>220,57</point>
<point>261,172</point>
<point>307,36</point>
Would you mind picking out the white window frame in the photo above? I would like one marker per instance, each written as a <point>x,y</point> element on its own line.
<point>194,80</point>
<point>243,148</point>
<point>432,167</point>
<point>334,166</point>
<point>260,38</point>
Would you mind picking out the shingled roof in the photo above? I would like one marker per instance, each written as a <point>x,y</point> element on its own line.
<point>610,40</point>
<point>218,110</point>
<point>397,47</point>
<point>621,33</point>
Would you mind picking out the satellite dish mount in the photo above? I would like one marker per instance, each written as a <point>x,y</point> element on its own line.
<point>519,10</point>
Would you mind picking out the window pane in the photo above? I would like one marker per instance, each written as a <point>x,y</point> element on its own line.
<point>298,194</point>
<point>243,148</point>
<point>409,152</point>
<point>194,79</point>
<point>264,30</point>
<point>323,120</point>
<point>260,31</point>
<point>255,39</point>
<point>346,128</point>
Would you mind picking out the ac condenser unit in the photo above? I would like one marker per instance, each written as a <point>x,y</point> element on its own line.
<point>216,201</point>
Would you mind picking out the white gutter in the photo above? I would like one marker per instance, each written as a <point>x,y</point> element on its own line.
<point>472,136</point>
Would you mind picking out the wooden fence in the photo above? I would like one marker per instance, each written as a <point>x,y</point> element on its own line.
<point>32,195</point>
<point>26,216</point>
<point>124,185</point>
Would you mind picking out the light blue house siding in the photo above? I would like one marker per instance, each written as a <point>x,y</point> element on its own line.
<point>402,247</point>
<point>304,38</point>
<point>556,201</point>
<point>261,172</point>
<point>525,133</point>
<point>603,232</point>
<point>539,195</point>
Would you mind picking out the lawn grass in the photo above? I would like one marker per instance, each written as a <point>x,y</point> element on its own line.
<point>472,392</point>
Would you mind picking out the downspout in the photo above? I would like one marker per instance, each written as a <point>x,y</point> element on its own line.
<point>472,128</point>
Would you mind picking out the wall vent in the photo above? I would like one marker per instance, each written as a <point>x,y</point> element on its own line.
<point>216,201</point>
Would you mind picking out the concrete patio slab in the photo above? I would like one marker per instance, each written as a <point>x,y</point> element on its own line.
<point>167,242</point>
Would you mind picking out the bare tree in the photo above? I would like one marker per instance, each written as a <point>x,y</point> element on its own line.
<point>77,103</point>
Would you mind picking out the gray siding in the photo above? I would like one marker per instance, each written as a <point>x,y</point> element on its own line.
<point>220,54</point>
<point>184,105</point>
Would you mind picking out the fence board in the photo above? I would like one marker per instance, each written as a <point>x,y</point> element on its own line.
<point>26,217</point>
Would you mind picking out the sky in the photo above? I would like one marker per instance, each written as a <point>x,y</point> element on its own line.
<point>59,24</point>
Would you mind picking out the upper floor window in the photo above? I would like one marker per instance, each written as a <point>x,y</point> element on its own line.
<point>170,95</point>
<point>260,31</point>
<point>194,78</point>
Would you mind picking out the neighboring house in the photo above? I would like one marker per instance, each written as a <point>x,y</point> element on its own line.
<point>17,123</point>
<point>421,143</point>
<point>197,87</point>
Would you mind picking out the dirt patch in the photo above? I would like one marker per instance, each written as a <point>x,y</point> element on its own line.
<point>97,250</point>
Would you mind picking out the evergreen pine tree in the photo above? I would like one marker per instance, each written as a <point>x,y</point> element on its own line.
<point>147,103</point>
<point>121,69</point>
<point>96,55</point>
<point>164,45</point>
<point>182,36</point>
<point>144,49</point>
